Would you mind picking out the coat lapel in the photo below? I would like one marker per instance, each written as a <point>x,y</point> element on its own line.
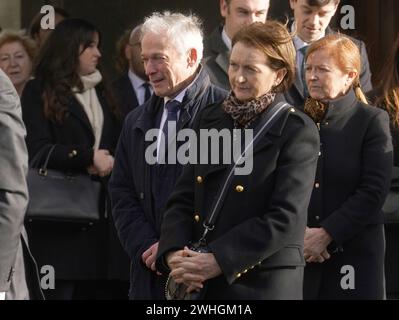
<point>76,110</point>
<point>222,60</point>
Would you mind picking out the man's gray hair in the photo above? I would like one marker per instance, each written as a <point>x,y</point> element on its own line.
<point>184,32</point>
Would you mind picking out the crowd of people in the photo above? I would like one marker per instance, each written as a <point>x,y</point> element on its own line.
<point>324,149</point>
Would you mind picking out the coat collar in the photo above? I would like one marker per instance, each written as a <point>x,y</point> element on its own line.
<point>219,49</point>
<point>149,110</point>
<point>341,105</point>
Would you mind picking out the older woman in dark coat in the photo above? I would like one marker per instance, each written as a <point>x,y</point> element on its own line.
<point>257,243</point>
<point>344,241</point>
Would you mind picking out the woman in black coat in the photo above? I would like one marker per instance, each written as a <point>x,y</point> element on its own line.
<point>256,247</point>
<point>344,241</point>
<point>386,96</point>
<point>68,106</point>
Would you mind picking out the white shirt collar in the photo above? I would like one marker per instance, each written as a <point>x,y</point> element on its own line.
<point>226,39</point>
<point>298,42</point>
<point>136,81</point>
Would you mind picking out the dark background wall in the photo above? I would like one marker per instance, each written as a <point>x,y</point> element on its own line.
<point>112,17</point>
<point>376,21</point>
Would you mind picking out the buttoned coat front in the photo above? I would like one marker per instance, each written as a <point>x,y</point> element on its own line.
<point>352,181</point>
<point>259,233</point>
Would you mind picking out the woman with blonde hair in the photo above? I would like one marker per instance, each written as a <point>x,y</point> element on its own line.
<point>17,53</point>
<point>344,241</point>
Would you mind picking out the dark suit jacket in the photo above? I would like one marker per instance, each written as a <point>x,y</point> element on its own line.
<point>295,96</point>
<point>131,186</point>
<point>125,94</point>
<point>352,181</point>
<point>75,254</point>
<point>258,236</point>
<point>17,278</point>
<point>217,59</point>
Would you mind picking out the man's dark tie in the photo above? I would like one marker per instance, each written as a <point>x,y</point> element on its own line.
<point>304,50</point>
<point>172,107</point>
<point>147,94</point>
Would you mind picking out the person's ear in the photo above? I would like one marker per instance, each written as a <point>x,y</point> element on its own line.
<point>292,4</point>
<point>192,57</point>
<point>280,75</point>
<point>351,76</point>
<point>224,7</point>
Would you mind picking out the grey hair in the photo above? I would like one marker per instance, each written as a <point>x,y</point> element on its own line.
<point>183,31</point>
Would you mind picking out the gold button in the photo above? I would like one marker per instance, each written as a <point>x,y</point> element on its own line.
<point>245,271</point>
<point>240,189</point>
<point>200,180</point>
<point>317,185</point>
<point>317,218</point>
<point>73,154</point>
<point>238,275</point>
<point>252,267</point>
<point>197,218</point>
<point>292,110</point>
<point>259,263</point>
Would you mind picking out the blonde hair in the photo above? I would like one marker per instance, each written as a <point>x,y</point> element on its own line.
<point>346,54</point>
<point>8,36</point>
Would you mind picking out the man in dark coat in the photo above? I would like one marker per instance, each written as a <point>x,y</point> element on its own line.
<point>18,272</point>
<point>217,47</point>
<point>311,23</point>
<point>171,51</point>
<point>132,89</point>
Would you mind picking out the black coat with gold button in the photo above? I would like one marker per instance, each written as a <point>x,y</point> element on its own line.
<point>74,254</point>
<point>258,237</point>
<point>352,181</point>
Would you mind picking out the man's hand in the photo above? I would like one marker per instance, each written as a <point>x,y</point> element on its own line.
<point>316,242</point>
<point>150,256</point>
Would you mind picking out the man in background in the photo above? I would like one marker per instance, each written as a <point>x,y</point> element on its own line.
<point>217,48</point>
<point>311,23</point>
<point>132,88</point>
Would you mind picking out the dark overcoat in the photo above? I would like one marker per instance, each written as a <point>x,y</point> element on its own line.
<point>259,233</point>
<point>125,94</point>
<point>75,253</point>
<point>217,59</point>
<point>132,189</point>
<point>352,181</point>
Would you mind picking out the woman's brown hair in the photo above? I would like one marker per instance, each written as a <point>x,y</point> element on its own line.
<point>389,85</point>
<point>274,40</point>
<point>58,63</point>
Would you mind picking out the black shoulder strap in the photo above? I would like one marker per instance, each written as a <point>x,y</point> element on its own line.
<point>261,129</point>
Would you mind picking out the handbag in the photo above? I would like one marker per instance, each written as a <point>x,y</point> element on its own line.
<point>390,208</point>
<point>57,196</point>
<point>178,291</point>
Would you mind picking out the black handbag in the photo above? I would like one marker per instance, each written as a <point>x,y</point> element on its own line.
<point>391,205</point>
<point>177,291</point>
<point>56,196</point>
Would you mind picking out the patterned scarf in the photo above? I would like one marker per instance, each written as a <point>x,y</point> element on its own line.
<point>315,109</point>
<point>244,113</point>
